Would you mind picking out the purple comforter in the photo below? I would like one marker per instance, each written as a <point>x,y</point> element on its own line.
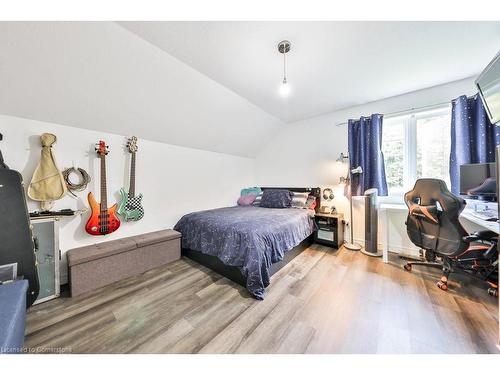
<point>251,238</point>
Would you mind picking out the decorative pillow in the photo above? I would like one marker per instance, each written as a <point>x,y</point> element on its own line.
<point>246,200</point>
<point>311,202</point>
<point>252,190</point>
<point>313,205</point>
<point>299,199</point>
<point>257,200</point>
<point>276,198</point>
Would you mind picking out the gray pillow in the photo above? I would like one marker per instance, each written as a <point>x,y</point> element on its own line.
<point>276,198</point>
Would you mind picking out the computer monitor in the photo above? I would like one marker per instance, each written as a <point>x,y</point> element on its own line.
<point>473,175</point>
<point>488,85</point>
<point>497,158</point>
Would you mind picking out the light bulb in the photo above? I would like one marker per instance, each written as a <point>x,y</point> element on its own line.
<point>284,88</point>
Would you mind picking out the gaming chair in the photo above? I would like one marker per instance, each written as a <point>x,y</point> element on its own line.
<point>433,225</point>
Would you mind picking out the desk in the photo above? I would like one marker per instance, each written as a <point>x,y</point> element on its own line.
<point>479,205</point>
<point>385,208</point>
<point>487,225</point>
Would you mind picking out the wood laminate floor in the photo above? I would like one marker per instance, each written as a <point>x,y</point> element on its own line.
<point>322,302</point>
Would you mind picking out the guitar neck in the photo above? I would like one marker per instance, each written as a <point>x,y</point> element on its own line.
<point>104,194</point>
<point>131,192</point>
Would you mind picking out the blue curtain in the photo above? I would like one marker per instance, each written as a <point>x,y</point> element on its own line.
<point>365,150</point>
<point>473,137</point>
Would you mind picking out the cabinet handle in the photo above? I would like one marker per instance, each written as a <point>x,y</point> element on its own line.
<point>36,243</point>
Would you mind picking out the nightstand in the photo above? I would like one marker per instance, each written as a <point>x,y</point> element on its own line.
<point>330,229</point>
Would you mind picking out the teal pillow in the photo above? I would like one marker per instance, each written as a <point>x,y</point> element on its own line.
<point>253,190</point>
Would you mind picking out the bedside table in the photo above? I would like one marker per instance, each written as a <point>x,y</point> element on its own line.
<point>330,229</point>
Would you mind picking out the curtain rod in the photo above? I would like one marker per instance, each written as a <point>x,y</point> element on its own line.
<point>409,110</point>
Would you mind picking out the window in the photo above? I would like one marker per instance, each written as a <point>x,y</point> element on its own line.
<point>416,145</point>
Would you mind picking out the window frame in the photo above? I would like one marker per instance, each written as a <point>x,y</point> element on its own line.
<point>409,120</point>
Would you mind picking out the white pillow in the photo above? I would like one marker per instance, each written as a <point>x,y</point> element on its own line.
<point>299,200</point>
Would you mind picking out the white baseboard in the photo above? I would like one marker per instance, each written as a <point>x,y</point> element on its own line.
<point>397,249</point>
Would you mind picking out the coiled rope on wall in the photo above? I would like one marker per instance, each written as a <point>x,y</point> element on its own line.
<point>83,179</point>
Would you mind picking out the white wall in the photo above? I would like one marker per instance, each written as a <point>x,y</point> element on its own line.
<point>99,75</point>
<point>304,154</point>
<point>174,180</point>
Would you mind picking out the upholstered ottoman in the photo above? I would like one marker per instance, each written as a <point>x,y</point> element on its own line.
<point>97,265</point>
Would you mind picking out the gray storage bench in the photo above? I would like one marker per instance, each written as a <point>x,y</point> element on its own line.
<point>94,266</point>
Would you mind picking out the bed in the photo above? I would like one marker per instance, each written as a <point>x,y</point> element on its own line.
<point>248,244</point>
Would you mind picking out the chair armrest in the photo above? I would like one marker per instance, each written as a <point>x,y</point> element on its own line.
<point>483,235</point>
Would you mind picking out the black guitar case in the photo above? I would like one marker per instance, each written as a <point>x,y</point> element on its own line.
<point>2,164</point>
<point>16,241</point>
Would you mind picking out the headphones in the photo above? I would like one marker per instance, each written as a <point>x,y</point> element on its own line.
<point>328,194</point>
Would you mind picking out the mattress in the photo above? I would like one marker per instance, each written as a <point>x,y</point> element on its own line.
<point>251,238</point>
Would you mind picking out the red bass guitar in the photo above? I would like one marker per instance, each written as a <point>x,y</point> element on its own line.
<point>103,220</point>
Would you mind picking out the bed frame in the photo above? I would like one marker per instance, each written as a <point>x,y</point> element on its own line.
<point>233,273</point>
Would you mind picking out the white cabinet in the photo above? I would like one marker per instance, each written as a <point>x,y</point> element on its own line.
<point>46,237</point>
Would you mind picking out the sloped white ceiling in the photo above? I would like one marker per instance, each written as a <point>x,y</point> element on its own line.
<point>214,85</point>
<point>331,65</point>
<point>98,75</point>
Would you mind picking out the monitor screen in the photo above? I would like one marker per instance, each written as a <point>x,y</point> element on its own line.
<point>473,175</point>
<point>488,85</point>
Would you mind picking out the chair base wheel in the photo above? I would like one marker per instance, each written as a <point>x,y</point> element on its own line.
<point>493,292</point>
<point>407,267</point>
<point>442,286</point>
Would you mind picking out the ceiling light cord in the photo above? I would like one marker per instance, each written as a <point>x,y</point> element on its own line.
<point>284,48</point>
<point>284,68</point>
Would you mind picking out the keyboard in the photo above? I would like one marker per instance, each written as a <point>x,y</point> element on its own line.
<point>489,215</point>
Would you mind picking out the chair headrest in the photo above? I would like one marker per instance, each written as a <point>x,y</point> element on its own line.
<point>434,196</point>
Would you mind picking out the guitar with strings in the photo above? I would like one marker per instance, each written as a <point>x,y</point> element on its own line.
<point>103,220</point>
<point>130,207</point>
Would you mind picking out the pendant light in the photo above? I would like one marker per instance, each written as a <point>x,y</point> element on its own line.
<point>284,48</point>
